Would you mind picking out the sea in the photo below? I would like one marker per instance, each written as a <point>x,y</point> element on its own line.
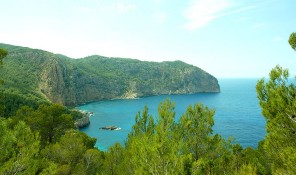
<point>238,114</point>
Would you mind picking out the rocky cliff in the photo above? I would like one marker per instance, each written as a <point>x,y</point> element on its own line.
<point>74,81</point>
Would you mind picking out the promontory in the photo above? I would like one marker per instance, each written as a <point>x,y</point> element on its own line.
<point>60,79</point>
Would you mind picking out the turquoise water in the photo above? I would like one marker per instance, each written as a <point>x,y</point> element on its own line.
<point>237,113</point>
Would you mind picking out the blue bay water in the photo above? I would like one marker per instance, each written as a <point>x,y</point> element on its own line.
<point>237,114</point>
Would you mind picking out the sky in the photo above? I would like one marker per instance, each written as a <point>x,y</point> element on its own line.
<point>227,38</point>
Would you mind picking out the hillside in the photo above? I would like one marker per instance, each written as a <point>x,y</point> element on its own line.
<point>60,79</point>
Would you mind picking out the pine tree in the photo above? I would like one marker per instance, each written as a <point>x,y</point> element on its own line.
<point>3,54</point>
<point>292,40</point>
<point>278,103</point>
<point>19,149</point>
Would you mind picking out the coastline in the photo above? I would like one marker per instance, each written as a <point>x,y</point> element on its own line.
<point>143,96</point>
<point>85,120</point>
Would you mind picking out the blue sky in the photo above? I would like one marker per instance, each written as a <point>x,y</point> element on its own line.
<point>227,38</point>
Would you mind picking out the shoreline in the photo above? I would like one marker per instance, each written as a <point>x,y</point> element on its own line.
<point>140,97</point>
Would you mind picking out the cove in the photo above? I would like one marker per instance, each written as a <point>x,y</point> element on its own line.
<point>238,113</point>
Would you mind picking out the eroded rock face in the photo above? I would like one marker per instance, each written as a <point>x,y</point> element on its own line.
<point>75,81</point>
<point>52,82</point>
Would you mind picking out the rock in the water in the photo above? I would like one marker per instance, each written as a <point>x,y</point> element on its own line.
<point>110,128</point>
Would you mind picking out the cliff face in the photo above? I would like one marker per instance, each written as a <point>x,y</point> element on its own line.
<point>74,81</point>
<point>67,86</point>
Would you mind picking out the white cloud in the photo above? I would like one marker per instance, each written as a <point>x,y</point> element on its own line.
<point>123,8</point>
<point>201,12</point>
<point>160,17</point>
<point>241,19</point>
<point>238,10</point>
<point>278,38</point>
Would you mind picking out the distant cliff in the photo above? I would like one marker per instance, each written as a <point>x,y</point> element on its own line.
<point>68,81</point>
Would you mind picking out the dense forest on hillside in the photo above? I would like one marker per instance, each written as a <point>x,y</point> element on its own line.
<point>45,76</point>
<point>43,140</point>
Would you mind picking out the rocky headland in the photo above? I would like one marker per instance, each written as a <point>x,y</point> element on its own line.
<point>60,79</point>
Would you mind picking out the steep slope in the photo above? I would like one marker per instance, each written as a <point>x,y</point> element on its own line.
<point>74,81</point>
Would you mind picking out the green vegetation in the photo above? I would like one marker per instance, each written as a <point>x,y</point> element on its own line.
<point>163,146</point>
<point>278,101</point>
<point>292,40</point>
<point>21,152</point>
<point>42,139</point>
<point>3,54</point>
<point>19,148</point>
<point>20,81</point>
<point>156,145</point>
<point>50,121</point>
<point>43,76</point>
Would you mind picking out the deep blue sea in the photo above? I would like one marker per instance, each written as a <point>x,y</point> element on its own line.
<point>238,113</point>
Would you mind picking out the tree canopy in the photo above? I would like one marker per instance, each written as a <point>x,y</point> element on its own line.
<point>278,101</point>
<point>43,141</point>
<point>277,98</point>
<point>165,145</point>
<point>292,40</point>
<point>51,121</point>
<point>3,54</point>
